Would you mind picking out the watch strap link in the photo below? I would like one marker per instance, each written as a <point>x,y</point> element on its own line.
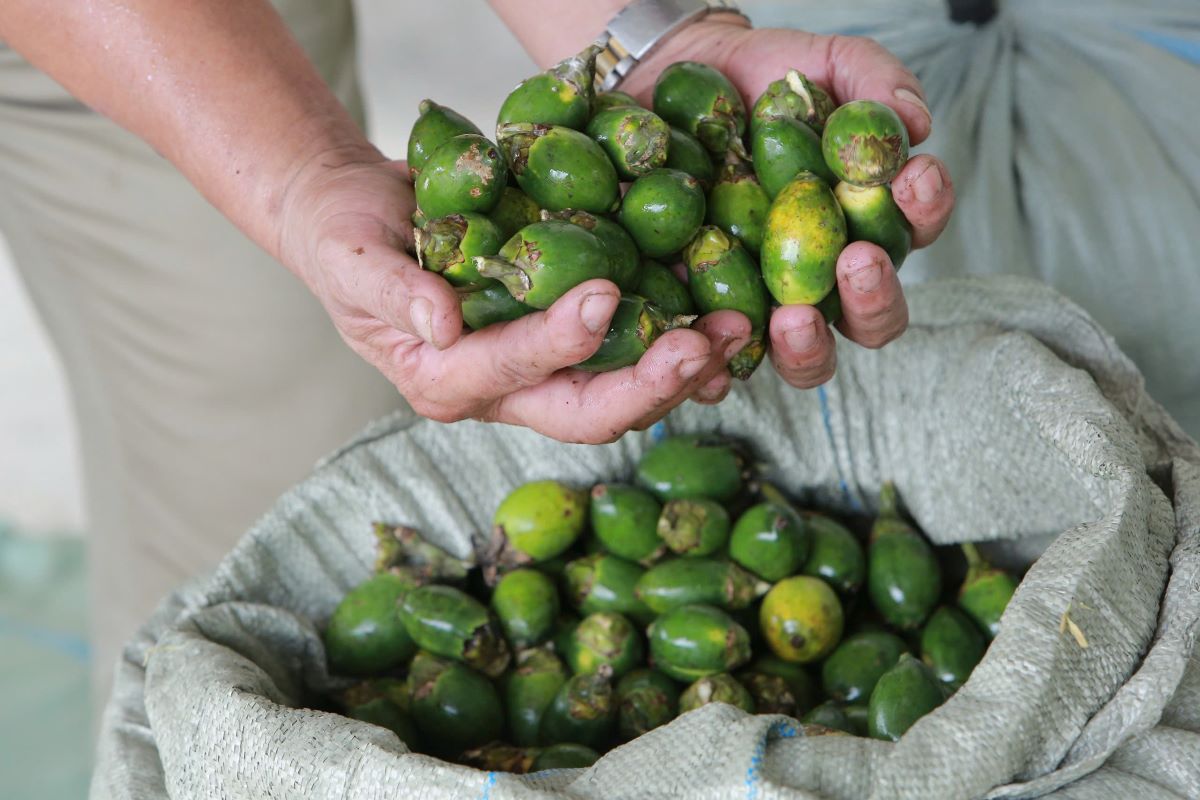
<point>639,27</point>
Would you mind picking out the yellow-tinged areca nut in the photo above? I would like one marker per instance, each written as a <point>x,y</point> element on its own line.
<point>806,232</point>
<point>542,519</point>
<point>801,619</point>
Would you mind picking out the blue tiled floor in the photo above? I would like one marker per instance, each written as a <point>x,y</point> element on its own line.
<point>45,747</point>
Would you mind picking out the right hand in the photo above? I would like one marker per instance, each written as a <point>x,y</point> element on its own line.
<point>874,310</point>
<point>345,228</point>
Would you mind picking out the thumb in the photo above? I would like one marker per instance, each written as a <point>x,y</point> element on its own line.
<point>390,286</point>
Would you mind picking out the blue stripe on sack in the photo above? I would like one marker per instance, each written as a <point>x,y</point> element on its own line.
<point>783,730</point>
<point>778,730</point>
<point>658,431</point>
<point>488,783</point>
<point>754,771</point>
<point>826,418</point>
<point>73,647</point>
<point>1187,49</point>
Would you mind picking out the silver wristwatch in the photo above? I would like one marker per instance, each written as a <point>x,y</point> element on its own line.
<point>642,25</point>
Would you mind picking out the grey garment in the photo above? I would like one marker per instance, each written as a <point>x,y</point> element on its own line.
<point>1069,131</point>
<point>1005,416</point>
<point>206,379</point>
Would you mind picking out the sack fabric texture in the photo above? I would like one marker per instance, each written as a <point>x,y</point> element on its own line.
<point>1005,415</point>
<point>1067,129</point>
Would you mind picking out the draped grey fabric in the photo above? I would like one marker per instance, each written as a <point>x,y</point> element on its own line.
<point>1005,415</point>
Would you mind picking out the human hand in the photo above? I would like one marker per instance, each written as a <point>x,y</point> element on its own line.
<point>850,68</point>
<point>346,232</point>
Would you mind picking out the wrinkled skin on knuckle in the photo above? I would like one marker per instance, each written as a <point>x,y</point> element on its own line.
<point>565,343</point>
<point>879,326</point>
<point>806,374</point>
<point>661,394</point>
<point>878,339</point>
<point>574,348</point>
<point>421,391</point>
<point>866,48</point>
<point>838,46</point>
<point>514,372</point>
<point>812,379</point>
<point>386,292</point>
<point>396,355</point>
<point>928,219</point>
<point>859,50</point>
<point>816,354</point>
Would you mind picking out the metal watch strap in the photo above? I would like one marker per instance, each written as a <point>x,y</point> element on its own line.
<point>640,26</point>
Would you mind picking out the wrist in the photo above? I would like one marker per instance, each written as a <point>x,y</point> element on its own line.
<point>308,175</point>
<point>256,182</point>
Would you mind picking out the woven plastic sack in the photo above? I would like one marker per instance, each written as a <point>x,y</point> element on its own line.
<point>1069,130</point>
<point>1004,415</point>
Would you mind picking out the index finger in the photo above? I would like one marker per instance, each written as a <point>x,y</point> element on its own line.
<point>366,279</point>
<point>595,408</point>
<point>500,359</point>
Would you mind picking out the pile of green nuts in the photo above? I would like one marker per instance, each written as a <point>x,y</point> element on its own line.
<point>740,219</point>
<point>596,616</point>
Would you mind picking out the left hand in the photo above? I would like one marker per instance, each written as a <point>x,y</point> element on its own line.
<point>345,230</point>
<point>850,68</point>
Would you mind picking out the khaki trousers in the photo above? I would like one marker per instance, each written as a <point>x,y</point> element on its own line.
<point>206,379</point>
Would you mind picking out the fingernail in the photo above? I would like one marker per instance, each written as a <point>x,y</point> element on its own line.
<point>929,185</point>
<point>596,310</point>
<point>865,279</point>
<point>912,98</point>
<point>420,311</point>
<point>802,339</point>
<point>691,368</point>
